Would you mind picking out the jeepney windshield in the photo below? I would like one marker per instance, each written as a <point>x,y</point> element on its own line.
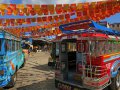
<point>71,46</point>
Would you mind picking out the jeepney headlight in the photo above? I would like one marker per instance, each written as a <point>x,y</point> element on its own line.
<point>1,72</point>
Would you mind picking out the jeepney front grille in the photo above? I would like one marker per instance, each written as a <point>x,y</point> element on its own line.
<point>95,71</point>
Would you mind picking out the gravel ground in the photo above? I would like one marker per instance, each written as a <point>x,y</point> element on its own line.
<point>36,75</point>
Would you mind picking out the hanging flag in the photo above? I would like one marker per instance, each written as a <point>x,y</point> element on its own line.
<point>79,14</point>
<point>73,7</point>
<point>37,9</point>
<point>13,7</point>
<point>56,18</point>
<point>66,8</point>
<point>12,20</point>
<point>59,8</point>
<point>3,6</point>
<point>29,7</point>
<point>20,6</point>
<point>33,12</point>
<point>44,9</point>
<point>51,9</point>
<point>50,18</point>
<point>86,9</point>
<point>26,12</point>
<point>28,20</point>
<point>9,11</point>
<point>33,19</point>
<point>39,20</point>
<point>15,12</point>
<point>21,12</point>
<point>67,17</point>
<point>62,17</point>
<point>44,19</point>
<point>7,22</point>
<point>2,12</point>
<point>79,7</point>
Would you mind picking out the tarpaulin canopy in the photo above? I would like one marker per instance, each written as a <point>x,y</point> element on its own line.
<point>86,26</point>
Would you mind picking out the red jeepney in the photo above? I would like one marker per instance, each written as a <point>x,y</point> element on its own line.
<point>88,60</point>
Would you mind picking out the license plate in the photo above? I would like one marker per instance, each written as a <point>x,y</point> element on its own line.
<point>65,86</point>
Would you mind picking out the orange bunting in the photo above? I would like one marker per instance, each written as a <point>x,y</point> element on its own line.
<point>44,9</point>
<point>39,20</point>
<point>73,7</point>
<point>59,8</point>
<point>9,11</point>
<point>51,9</point>
<point>66,8</point>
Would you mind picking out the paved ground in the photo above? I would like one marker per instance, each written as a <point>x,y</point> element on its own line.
<point>36,75</point>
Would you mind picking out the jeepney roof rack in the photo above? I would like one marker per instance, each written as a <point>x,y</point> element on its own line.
<point>88,26</point>
<point>3,30</point>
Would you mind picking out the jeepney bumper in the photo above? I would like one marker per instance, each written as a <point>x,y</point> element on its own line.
<point>96,84</point>
<point>4,81</point>
<point>88,83</point>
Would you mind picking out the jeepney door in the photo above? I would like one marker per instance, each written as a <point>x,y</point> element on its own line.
<point>63,58</point>
<point>82,48</point>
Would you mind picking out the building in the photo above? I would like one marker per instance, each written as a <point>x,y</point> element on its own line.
<point>115,26</point>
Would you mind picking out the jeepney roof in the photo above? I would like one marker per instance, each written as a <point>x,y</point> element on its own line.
<point>85,26</point>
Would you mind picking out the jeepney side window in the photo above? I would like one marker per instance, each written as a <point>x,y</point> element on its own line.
<point>111,49</point>
<point>119,46</point>
<point>101,50</point>
<point>107,47</point>
<point>87,47</point>
<point>19,45</point>
<point>7,45</point>
<point>98,48</point>
<point>81,47</point>
<point>115,46</point>
<point>0,44</point>
<point>71,46</point>
<point>16,45</point>
<point>13,45</point>
<point>10,45</point>
<point>92,47</point>
<point>63,47</point>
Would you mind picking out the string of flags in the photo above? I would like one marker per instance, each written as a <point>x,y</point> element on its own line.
<point>49,16</point>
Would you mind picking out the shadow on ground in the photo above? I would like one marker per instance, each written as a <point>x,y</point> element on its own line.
<point>44,67</point>
<point>43,85</point>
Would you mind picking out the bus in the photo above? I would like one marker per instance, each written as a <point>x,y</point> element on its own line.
<point>89,57</point>
<point>11,58</point>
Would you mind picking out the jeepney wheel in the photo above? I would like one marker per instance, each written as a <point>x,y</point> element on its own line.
<point>115,84</point>
<point>23,63</point>
<point>12,81</point>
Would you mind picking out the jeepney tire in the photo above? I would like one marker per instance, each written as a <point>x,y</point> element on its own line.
<point>23,63</point>
<point>115,85</point>
<point>12,81</point>
<point>56,84</point>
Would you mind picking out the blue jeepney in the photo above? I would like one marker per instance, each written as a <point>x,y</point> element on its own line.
<point>11,58</point>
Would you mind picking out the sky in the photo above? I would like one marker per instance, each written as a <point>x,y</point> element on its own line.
<point>113,19</point>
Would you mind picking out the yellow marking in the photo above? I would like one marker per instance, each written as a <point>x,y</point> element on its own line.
<point>113,54</point>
